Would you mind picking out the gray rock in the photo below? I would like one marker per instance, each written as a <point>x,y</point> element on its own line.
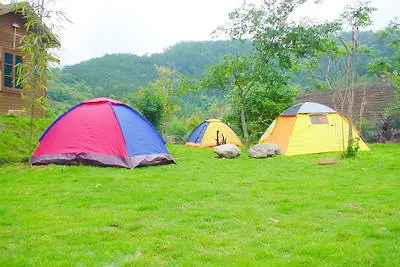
<point>228,151</point>
<point>264,150</point>
<point>171,139</point>
<point>16,113</point>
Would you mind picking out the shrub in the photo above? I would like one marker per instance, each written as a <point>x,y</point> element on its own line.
<point>177,127</point>
<point>352,148</point>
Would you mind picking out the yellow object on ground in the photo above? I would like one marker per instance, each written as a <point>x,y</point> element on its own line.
<point>310,128</point>
<point>211,133</point>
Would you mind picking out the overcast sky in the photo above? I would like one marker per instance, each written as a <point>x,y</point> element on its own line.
<point>150,26</point>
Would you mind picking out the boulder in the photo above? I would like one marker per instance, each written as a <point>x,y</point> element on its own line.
<point>172,139</point>
<point>264,150</point>
<point>228,151</point>
<point>327,161</point>
<point>16,113</point>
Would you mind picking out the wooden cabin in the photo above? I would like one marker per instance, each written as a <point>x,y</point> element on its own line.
<point>11,93</point>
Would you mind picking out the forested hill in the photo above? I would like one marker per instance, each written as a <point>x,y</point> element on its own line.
<point>120,74</point>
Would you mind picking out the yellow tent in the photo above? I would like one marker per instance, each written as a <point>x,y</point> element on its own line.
<point>211,133</point>
<point>308,128</point>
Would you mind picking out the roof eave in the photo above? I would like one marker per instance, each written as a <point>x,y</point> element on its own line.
<point>5,9</point>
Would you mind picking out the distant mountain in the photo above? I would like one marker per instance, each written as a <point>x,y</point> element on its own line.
<point>120,74</point>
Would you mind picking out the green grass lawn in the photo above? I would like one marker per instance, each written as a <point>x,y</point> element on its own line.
<point>205,211</point>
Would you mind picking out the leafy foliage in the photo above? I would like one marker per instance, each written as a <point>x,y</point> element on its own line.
<point>265,106</point>
<point>238,76</point>
<point>278,39</point>
<point>352,148</point>
<point>328,70</point>
<point>356,17</point>
<point>253,91</point>
<point>148,102</point>
<point>278,44</point>
<point>38,46</point>
<point>388,66</point>
<point>159,100</point>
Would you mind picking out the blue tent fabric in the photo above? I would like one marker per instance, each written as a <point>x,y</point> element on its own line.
<point>140,136</point>
<point>197,134</point>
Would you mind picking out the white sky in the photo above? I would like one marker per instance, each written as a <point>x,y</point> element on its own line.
<point>150,26</point>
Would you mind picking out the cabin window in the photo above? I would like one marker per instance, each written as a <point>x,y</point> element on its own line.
<point>10,71</point>
<point>319,119</point>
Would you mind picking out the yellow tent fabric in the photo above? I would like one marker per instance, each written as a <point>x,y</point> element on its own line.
<point>310,133</point>
<point>205,135</point>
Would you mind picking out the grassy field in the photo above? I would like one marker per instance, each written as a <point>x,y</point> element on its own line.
<point>204,210</point>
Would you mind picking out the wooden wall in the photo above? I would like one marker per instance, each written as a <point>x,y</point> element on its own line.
<point>7,31</point>
<point>11,99</point>
<point>15,101</point>
<point>376,99</point>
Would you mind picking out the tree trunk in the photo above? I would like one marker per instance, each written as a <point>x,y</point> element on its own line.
<point>34,88</point>
<point>31,119</point>
<point>351,84</point>
<point>244,123</point>
<point>350,88</point>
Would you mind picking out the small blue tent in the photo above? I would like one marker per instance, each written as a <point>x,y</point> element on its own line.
<point>211,133</point>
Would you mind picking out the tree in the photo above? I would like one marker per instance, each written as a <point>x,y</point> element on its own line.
<point>356,17</point>
<point>278,40</point>
<point>278,44</point>
<point>336,66</point>
<point>237,75</point>
<point>251,89</point>
<point>327,70</point>
<point>263,106</point>
<point>38,49</point>
<point>148,102</point>
<point>158,101</point>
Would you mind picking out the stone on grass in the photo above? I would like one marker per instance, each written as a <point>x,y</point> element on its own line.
<point>16,113</point>
<point>264,150</point>
<point>228,151</point>
<point>172,139</point>
<point>327,161</point>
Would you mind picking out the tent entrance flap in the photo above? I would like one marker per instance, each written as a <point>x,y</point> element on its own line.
<point>280,134</point>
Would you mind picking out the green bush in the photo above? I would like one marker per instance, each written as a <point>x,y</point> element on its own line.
<point>352,148</point>
<point>368,130</point>
<point>177,127</point>
<point>147,102</point>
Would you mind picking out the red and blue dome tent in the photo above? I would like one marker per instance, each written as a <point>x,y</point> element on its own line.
<point>102,132</point>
